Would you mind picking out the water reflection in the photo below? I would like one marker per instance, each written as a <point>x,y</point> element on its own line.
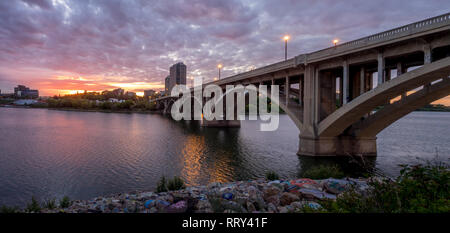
<point>50,154</point>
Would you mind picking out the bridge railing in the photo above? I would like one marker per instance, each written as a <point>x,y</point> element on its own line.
<point>258,71</point>
<point>417,27</point>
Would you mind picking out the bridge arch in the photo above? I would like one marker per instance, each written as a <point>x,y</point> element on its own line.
<point>337,122</point>
<point>375,123</point>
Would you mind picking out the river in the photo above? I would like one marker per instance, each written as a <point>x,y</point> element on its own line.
<point>49,153</point>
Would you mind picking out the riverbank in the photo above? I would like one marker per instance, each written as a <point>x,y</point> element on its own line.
<point>255,196</point>
<point>86,110</point>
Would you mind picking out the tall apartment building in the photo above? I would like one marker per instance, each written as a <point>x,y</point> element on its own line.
<point>166,84</point>
<point>177,75</point>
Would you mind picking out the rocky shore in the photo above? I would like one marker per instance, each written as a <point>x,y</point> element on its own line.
<point>255,196</point>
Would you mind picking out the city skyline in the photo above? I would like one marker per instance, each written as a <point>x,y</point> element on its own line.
<point>61,47</point>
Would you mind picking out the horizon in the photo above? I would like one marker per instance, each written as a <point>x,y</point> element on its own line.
<point>63,47</point>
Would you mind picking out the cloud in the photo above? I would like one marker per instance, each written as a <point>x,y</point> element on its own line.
<point>136,41</point>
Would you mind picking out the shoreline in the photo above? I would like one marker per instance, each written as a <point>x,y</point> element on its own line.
<point>85,110</point>
<point>253,196</point>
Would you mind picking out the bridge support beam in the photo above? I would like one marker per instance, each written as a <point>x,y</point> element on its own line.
<point>380,69</point>
<point>337,146</point>
<point>345,83</point>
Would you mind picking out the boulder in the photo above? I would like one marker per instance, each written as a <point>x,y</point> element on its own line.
<point>271,191</point>
<point>287,198</point>
<point>312,194</point>
<point>179,207</point>
<point>275,200</point>
<point>336,186</point>
<point>250,207</point>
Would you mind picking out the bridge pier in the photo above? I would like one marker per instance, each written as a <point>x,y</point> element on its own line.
<point>221,123</point>
<point>337,146</point>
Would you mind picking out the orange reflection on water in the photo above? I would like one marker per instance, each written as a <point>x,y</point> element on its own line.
<point>194,161</point>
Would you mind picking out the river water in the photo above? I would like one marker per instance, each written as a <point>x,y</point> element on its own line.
<point>49,153</point>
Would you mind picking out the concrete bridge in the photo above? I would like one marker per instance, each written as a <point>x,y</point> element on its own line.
<point>341,97</point>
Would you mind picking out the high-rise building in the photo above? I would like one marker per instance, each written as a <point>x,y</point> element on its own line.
<point>166,84</point>
<point>177,75</point>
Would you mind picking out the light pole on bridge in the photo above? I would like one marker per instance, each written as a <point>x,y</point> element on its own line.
<point>220,67</point>
<point>286,38</point>
<point>335,41</point>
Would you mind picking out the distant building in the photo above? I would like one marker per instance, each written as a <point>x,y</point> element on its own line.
<point>148,93</point>
<point>114,100</point>
<point>166,84</point>
<point>22,91</point>
<point>118,92</point>
<point>25,102</point>
<point>177,75</point>
<point>131,94</point>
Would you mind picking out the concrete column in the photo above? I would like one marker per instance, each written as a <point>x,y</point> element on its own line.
<point>400,72</point>
<point>316,97</point>
<point>310,101</point>
<point>427,54</point>
<point>287,90</point>
<point>301,90</point>
<point>380,70</point>
<point>362,78</point>
<point>345,80</point>
<point>427,59</point>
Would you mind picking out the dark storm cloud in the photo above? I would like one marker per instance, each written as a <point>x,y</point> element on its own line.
<point>139,40</point>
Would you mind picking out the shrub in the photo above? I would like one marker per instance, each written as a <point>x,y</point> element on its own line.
<point>65,202</point>
<point>323,172</point>
<point>418,189</point>
<point>33,207</point>
<point>271,175</point>
<point>161,187</point>
<point>176,183</point>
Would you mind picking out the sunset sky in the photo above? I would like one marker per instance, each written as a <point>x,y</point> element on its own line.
<point>61,46</point>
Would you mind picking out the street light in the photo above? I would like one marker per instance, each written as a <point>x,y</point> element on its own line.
<point>285,38</point>
<point>220,67</point>
<point>192,81</point>
<point>335,41</point>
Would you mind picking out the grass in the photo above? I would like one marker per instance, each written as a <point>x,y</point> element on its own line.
<point>176,183</point>
<point>65,202</point>
<point>50,204</point>
<point>9,210</point>
<point>161,186</point>
<point>33,207</point>
<point>271,175</point>
<point>323,172</point>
